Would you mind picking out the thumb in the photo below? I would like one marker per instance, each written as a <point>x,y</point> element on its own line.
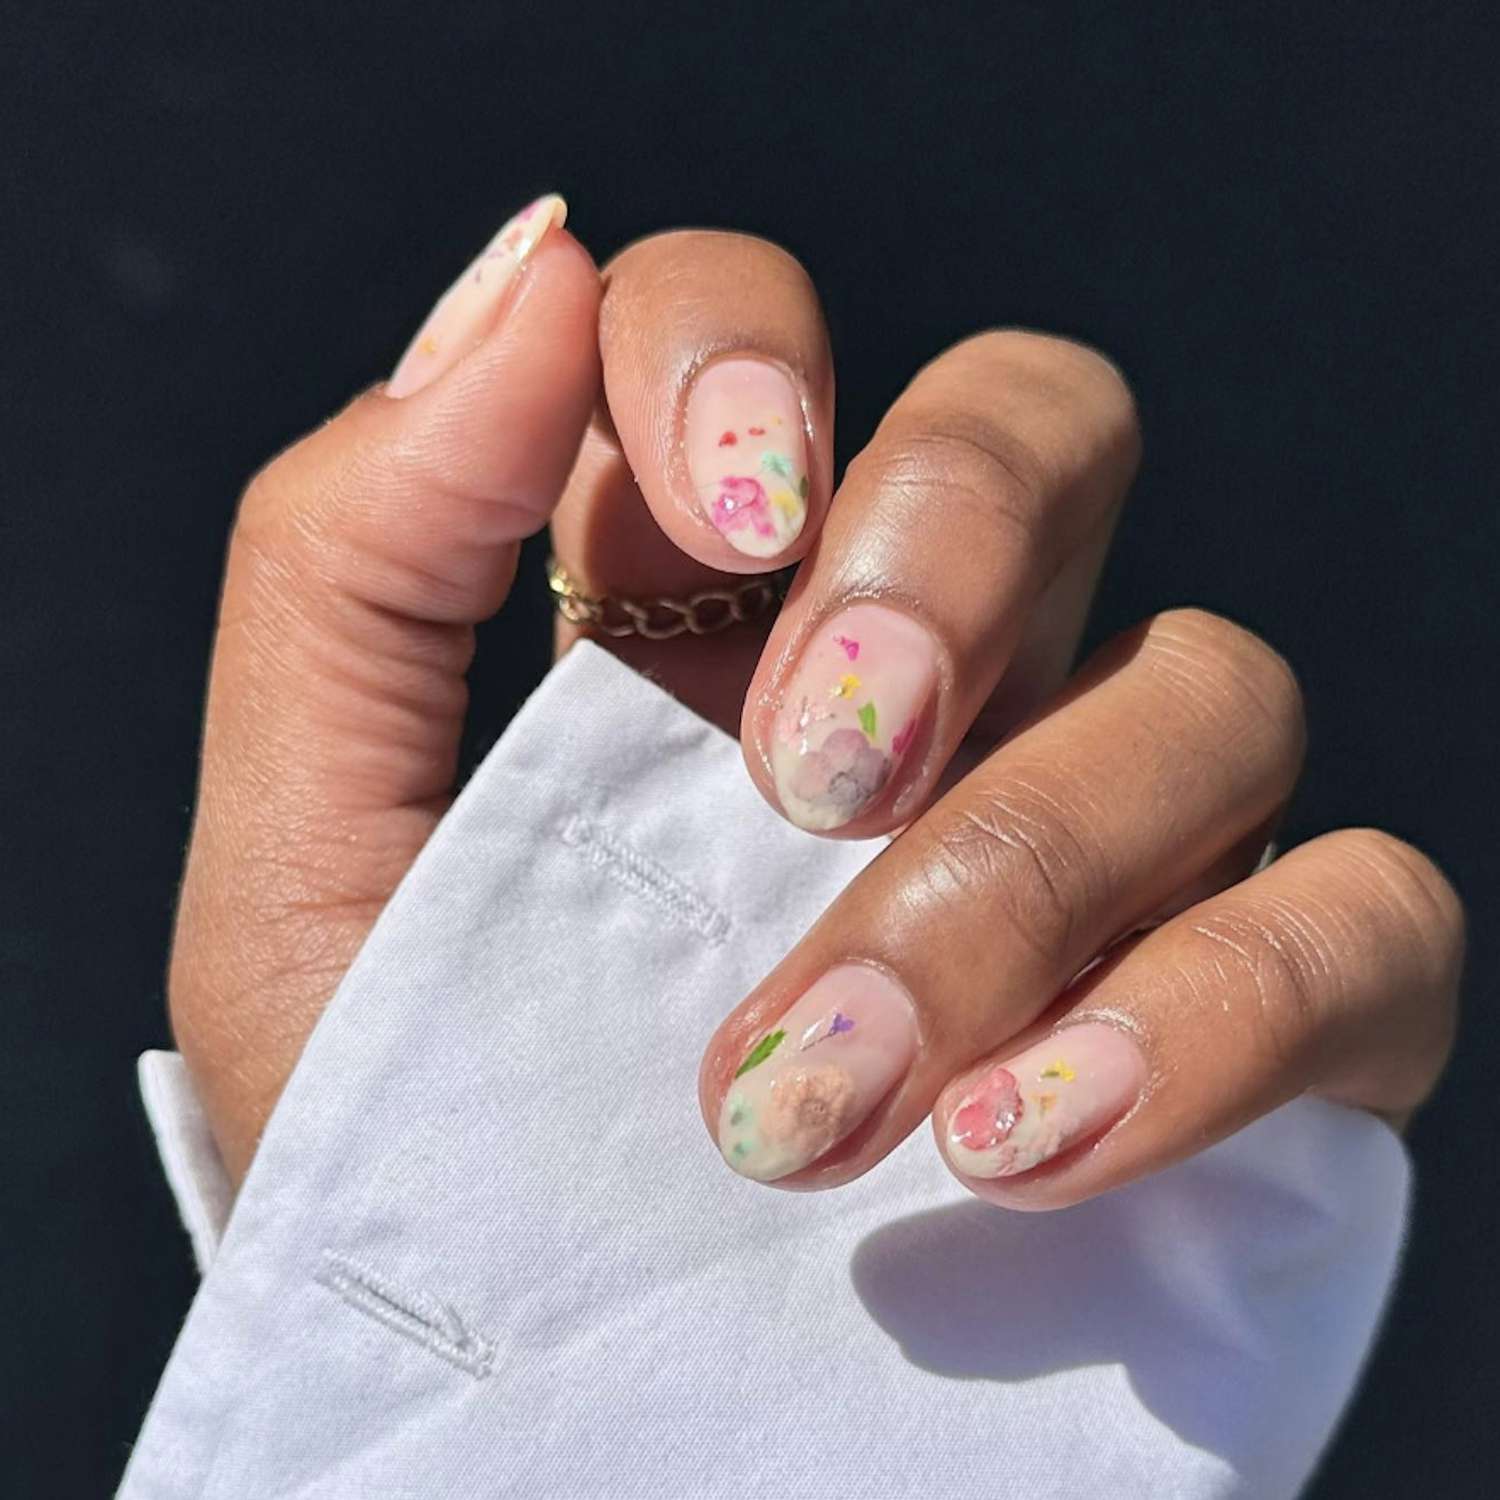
<point>361,559</point>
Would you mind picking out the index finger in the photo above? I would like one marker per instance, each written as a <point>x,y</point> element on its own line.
<point>719,381</point>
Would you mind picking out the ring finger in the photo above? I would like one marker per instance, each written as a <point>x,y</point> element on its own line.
<point>950,580</point>
<point>1175,743</point>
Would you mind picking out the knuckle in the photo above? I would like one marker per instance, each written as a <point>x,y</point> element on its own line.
<point>648,252</point>
<point>1014,432</point>
<point>263,504</point>
<point>1072,359</point>
<point>1064,374</point>
<point>1277,954</point>
<point>280,544</point>
<point>1416,893</point>
<point>1017,430</point>
<point>270,538</point>
<point>1019,850</point>
<point>311,494</point>
<point>1227,671</point>
<point>985,475</point>
<point>686,271</point>
<point>351,513</point>
<point>1354,953</point>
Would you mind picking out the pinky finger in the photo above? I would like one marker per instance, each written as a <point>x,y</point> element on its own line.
<point>1335,970</point>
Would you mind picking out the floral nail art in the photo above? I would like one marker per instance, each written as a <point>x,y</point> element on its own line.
<point>850,713</point>
<point>1012,1130</point>
<point>1019,1114</point>
<point>747,454</point>
<point>803,1085</point>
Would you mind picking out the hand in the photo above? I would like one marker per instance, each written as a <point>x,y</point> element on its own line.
<point>1064,958</point>
<point>977,519</point>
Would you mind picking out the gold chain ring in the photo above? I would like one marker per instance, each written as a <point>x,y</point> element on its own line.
<point>661,619</point>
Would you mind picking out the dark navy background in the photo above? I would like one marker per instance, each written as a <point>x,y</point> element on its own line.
<point>1279,218</point>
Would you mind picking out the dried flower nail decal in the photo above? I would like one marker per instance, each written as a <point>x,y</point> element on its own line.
<point>1015,1116</point>
<point>760,1052</point>
<point>806,1083</point>
<point>850,713</point>
<point>835,1025</point>
<point>747,454</point>
<point>987,1119</point>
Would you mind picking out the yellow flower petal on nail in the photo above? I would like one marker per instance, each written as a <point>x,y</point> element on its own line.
<point>846,687</point>
<point>1059,1069</point>
<point>785,502</point>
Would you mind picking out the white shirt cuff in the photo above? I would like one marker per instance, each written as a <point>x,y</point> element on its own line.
<point>486,1246</point>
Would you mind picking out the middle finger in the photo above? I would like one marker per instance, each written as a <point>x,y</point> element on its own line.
<point>960,550</point>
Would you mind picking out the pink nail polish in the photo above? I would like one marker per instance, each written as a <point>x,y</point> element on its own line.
<point>467,310</point>
<point>850,713</point>
<point>746,451</point>
<point>818,1072</point>
<point>1018,1114</point>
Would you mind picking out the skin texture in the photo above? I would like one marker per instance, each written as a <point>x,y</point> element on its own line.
<point>1041,819</point>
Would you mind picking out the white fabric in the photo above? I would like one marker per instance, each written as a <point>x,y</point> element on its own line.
<point>487,1247</point>
<point>188,1154</point>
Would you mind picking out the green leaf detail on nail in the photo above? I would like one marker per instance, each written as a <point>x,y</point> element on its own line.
<point>760,1052</point>
<point>777,464</point>
<point>804,487</point>
<point>867,720</point>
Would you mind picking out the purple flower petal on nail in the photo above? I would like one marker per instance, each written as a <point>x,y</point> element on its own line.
<point>842,774</point>
<point>820,1031</point>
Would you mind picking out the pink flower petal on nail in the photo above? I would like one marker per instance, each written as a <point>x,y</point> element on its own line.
<point>742,502</point>
<point>987,1117</point>
<point>851,648</point>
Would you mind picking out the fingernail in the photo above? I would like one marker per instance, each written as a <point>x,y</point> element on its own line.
<point>747,454</point>
<point>818,1072</point>
<point>467,310</point>
<point>850,713</point>
<point>1020,1113</point>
